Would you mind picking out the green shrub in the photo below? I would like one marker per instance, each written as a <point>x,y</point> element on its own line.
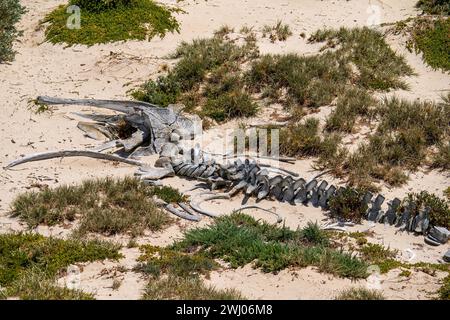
<point>406,133</point>
<point>162,92</point>
<point>444,291</point>
<point>10,12</point>
<point>439,208</point>
<point>206,78</point>
<point>375,253</point>
<point>378,66</point>
<point>35,284</point>
<point>311,81</point>
<point>312,234</point>
<point>434,6</point>
<point>109,21</point>
<point>301,139</point>
<point>30,262</point>
<point>353,103</point>
<point>360,294</point>
<point>155,260</point>
<point>234,104</point>
<point>239,239</point>
<point>168,194</point>
<point>101,5</point>
<point>431,38</point>
<point>107,206</point>
<point>178,288</point>
<point>347,204</point>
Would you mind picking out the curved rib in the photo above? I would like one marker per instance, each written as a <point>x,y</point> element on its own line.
<point>72,153</point>
<point>181,214</point>
<point>196,204</point>
<point>279,219</point>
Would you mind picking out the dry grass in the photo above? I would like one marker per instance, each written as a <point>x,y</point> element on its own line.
<point>107,206</point>
<point>360,294</point>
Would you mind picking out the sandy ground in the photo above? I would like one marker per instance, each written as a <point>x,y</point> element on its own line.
<point>109,71</point>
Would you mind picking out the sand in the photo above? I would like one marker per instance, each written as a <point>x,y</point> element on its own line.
<point>109,71</point>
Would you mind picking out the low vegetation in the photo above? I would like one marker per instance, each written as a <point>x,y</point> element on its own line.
<point>239,240</point>
<point>29,264</point>
<point>155,261</point>
<point>434,6</point>
<point>224,77</point>
<point>277,32</point>
<point>301,139</point>
<point>107,206</point>
<point>375,253</point>
<point>206,79</point>
<point>439,208</point>
<point>354,104</point>
<point>108,21</point>
<point>178,288</point>
<point>444,291</point>
<point>378,66</point>
<point>406,134</point>
<point>10,13</point>
<point>430,37</point>
<point>168,194</point>
<point>34,284</point>
<point>176,275</point>
<point>360,294</point>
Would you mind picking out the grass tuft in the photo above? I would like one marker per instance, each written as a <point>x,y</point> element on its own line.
<point>34,284</point>
<point>168,194</point>
<point>378,66</point>
<point>439,208</point>
<point>444,291</point>
<point>206,78</point>
<point>155,261</point>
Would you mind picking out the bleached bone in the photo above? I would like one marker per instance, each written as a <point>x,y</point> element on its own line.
<point>279,219</point>
<point>188,209</point>
<point>196,204</point>
<point>72,153</point>
<point>116,105</point>
<point>94,130</point>
<point>152,173</point>
<point>181,214</point>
